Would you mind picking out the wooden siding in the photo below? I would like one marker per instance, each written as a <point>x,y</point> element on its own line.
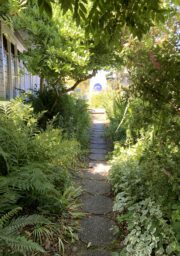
<point>14,76</point>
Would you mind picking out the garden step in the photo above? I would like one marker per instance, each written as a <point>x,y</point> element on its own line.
<point>96,187</point>
<point>95,136</point>
<point>97,132</point>
<point>90,175</point>
<point>98,141</point>
<point>96,230</point>
<point>97,157</point>
<point>98,146</point>
<point>98,127</point>
<point>98,151</point>
<point>96,204</point>
<point>96,253</point>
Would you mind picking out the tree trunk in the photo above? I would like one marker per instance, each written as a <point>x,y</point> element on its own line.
<point>41,84</point>
<point>79,81</point>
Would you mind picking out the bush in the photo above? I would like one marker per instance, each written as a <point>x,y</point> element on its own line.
<point>35,172</point>
<point>145,165</point>
<point>146,198</point>
<point>101,99</point>
<point>64,111</point>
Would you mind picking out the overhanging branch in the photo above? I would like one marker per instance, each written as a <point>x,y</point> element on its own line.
<point>79,81</point>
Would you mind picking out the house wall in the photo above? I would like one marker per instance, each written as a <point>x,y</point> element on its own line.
<point>14,77</point>
<point>2,77</point>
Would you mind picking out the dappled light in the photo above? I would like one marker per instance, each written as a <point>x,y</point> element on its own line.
<point>89,128</point>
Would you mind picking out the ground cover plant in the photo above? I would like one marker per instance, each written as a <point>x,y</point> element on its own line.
<point>145,163</point>
<point>38,205</point>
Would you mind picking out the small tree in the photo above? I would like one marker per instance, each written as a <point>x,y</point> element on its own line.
<point>59,50</point>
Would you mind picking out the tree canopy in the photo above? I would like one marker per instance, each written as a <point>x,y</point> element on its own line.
<point>58,50</point>
<point>71,40</point>
<point>105,19</point>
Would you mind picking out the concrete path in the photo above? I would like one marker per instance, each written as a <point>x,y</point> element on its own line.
<point>96,235</point>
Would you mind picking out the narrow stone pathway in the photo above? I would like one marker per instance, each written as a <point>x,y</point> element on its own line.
<point>96,235</point>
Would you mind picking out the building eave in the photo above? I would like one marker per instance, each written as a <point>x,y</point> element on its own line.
<point>10,34</point>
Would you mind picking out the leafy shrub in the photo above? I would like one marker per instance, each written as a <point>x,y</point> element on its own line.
<point>145,165</point>
<point>145,198</point>
<point>60,151</point>
<point>101,99</point>
<point>65,111</point>
<point>148,231</point>
<point>35,176</point>
<point>10,237</point>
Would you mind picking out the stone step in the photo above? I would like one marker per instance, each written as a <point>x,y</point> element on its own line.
<point>97,157</point>
<point>98,141</point>
<point>97,132</point>
<point>99,167</point>
<point>97,137</point>
<point>98,146</point>
<point>98,126</point>
<point>98,151</point>
<point>96,230</point>
<point>90,175</point>
<point>96,204</point>
<point>96,253</point>
<point>96,187</point>
<point>101,131</point>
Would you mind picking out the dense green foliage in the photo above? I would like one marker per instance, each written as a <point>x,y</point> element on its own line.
<point>40,144</point>
<point>104,20</point>
<point>145,163</point>
<point>99,100</point>
<point>59,51</point>
<point>35,178</point>
<point>64,111</point>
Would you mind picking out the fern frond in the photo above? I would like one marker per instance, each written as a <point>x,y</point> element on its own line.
<point>41,231</point>
<point>5,132</point>
<point>4,166</point>
<point>69,198</point>
<point>31,178</point>
<point>3,184</point>
<point>23,221</point>
<point>8,197</point>
<point>9,235</point>
<point>5,108</point>
<point>71,192</point>
<point>6,217</point>
<point>20,244</point>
